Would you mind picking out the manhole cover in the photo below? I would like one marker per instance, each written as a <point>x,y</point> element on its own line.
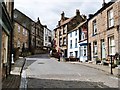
<point>40,63</point>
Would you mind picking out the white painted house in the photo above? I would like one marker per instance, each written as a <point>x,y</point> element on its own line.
<point>47,37</point>
<point>77,42</point>
<point>83,42</point>
<point>73,45</point>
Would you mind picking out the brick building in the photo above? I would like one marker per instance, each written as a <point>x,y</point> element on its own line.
<point>104,31</point>
<point>35,30</point>
<point>6,28</point>
<point>20,38</point>
<point>65,25</point>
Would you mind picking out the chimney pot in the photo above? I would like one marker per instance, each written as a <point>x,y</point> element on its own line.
<point>77,12</point>
<point>62,15</point>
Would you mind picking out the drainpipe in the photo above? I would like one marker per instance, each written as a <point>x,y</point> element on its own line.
<point>11,37</point>
<point>0,49</point>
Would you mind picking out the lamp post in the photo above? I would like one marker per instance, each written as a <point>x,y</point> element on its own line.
<point>111,64</point>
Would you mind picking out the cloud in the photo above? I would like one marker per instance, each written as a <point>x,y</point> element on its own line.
<point>49,11</point>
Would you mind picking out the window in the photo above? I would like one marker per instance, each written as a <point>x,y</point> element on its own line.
<point>60,33</point>
<point>64,41</point>
<point>18,28</point>
<point>85,51</point>
<point>70,43</point>
<point>111,45</point>
<point>94,27</point>
<point>60,42</point>
<point>45,38</point>
<point>49,37</point>
<point>76,43</point>
<point>75,33</point>
<point>110,18</point>
<point>18,43</point>
<point>23,31</point>
<point>26,32</point>
<point>71,53</point>
<point>76,54</point>
<point>95,48</point>
<point>82,36</point>
<point>65,29</point>
<point>26,45</point>
<point>71,34</point>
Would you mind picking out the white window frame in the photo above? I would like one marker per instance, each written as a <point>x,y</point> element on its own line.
<point>75,33</point>
<point>85,51</point>
<point>71,34</point>
<point>94,27</point>
<point>111,45</point>
<point>71,53</point>
<point>71,44</point>
<point>110,18</point>
<point>18,43</point>
<point>95,48</point>
<point>76,43</point>
<point>64,41</point>
<point>18,29</point>
<point>24,31</point>
<point>60,42</point>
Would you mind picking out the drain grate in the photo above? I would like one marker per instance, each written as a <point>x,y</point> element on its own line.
<point>41,63</point>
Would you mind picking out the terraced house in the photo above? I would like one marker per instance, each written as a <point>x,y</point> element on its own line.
<point>20,39</point>
<point>104,31</point>
<point>38,39</point>
<point>77,42</point>
<point>64,26</point>
<point>6,28</point>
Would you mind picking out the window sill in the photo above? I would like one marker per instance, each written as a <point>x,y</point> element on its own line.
<point>94,35</point>
<point>110,27</point>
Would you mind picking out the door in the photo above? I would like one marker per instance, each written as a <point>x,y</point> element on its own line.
<point>103,49</point>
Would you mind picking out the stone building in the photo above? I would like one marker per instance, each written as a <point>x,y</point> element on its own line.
<point>37,37</point>
<point>103,31</point>
<point>6,28</point>
<point>65,25</point>
<point>20,39</point>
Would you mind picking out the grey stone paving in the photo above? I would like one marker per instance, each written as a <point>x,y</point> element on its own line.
<point>43,72</point>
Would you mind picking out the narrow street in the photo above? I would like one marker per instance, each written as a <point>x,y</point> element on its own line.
<point>40,71</point>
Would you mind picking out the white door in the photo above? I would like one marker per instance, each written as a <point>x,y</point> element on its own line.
<point>103,49</point>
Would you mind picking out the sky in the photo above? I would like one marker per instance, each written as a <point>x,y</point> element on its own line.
<point>49,11</point>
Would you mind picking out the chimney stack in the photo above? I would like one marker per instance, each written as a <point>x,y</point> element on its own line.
<point>62,15</point>
<point>77,12</point>
<point>103,3</point>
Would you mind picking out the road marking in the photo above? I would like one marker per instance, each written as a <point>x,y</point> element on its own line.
<point>79,74</point>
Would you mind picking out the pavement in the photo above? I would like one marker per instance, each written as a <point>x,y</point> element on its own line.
<point>105,68</point>
<point>13,80</point>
